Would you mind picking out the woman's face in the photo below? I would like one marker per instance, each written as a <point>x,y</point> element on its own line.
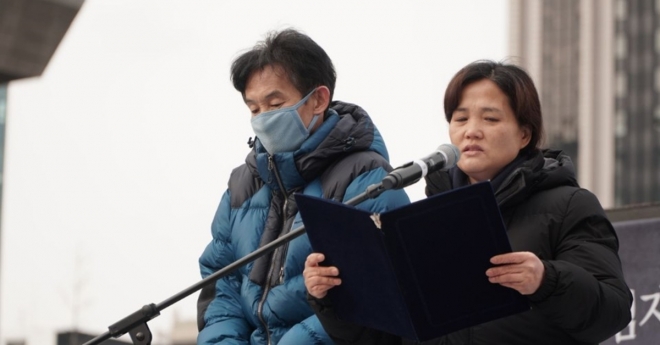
<point>485,130</point>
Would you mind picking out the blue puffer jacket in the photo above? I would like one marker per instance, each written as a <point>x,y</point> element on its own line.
<point>265,302</point>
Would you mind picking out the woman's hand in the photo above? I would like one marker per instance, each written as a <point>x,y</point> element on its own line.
<point>319,279</point>
<point>521,271</point>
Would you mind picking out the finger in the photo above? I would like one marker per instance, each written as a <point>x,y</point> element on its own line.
<point>309,272</point>
<point>314,259</point>
<point>510,258</point>
<point>319,287</point>
<point>326,281</point>
<point>523,283</point>
<point>507,279</point>
<point>328,271</point>
<point>505,269</point>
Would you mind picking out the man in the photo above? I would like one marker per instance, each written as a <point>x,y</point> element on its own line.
<point>305,143</point>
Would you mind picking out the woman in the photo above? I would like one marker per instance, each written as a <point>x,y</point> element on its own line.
<point>564,257</point>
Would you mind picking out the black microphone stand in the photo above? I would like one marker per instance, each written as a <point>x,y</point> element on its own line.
<point>136,324</point>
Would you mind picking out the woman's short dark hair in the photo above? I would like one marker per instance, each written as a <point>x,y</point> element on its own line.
<point>305,63</point>
<point>513,81</point>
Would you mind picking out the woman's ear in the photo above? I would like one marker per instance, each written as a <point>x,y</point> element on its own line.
<point>526,137</point>
<point>321,99</point>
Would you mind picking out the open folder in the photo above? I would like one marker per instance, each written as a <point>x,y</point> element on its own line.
<point>418,271</point>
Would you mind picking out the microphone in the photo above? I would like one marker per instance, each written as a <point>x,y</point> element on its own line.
<point>443,158</point>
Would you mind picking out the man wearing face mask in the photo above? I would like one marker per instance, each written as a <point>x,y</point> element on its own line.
<point>305,143</point>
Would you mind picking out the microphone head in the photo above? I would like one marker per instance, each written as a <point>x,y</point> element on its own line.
<point>451,153</point>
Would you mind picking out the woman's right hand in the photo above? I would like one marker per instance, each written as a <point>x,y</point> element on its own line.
<point>319,279</point>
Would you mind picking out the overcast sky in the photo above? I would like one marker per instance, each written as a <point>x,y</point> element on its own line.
<point>117,156</point>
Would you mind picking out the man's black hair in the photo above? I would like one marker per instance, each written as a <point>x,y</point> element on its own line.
<point>305,63</point>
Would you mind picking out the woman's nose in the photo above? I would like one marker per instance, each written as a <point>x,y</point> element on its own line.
<point>473,130</point>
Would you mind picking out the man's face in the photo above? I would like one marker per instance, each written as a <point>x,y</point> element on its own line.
<point>270,89</point>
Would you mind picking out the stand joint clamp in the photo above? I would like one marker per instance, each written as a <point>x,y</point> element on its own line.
<point>136,325</point>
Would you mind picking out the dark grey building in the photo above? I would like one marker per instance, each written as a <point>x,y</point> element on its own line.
<point>560,37</point>
<point>597,67</point>
<point>637,73</point>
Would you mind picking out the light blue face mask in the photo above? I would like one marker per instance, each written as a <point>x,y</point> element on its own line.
<point>282,130</point>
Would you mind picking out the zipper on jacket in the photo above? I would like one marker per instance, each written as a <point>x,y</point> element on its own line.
<point>269,276</point>
<point>282,251</point>
<point>273,168</point>
<point>260,308</point>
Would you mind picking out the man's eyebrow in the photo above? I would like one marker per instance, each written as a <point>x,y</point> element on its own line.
<point>270,95</point>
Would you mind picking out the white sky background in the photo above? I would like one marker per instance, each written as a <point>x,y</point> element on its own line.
<point>116,157</point>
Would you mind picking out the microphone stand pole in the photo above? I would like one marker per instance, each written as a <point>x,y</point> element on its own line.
<point>136,324</point>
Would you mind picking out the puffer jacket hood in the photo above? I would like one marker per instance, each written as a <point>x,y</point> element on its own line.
<point>347,128</point>
<point>538,171</point>
<point>528,174</point>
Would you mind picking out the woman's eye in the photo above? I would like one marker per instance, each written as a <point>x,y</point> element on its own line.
<point>492,119</point>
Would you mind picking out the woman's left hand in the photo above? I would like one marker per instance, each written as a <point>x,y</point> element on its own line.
<point>521,271</point>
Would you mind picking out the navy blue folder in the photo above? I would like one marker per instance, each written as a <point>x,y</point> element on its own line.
<point>422,274</point>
